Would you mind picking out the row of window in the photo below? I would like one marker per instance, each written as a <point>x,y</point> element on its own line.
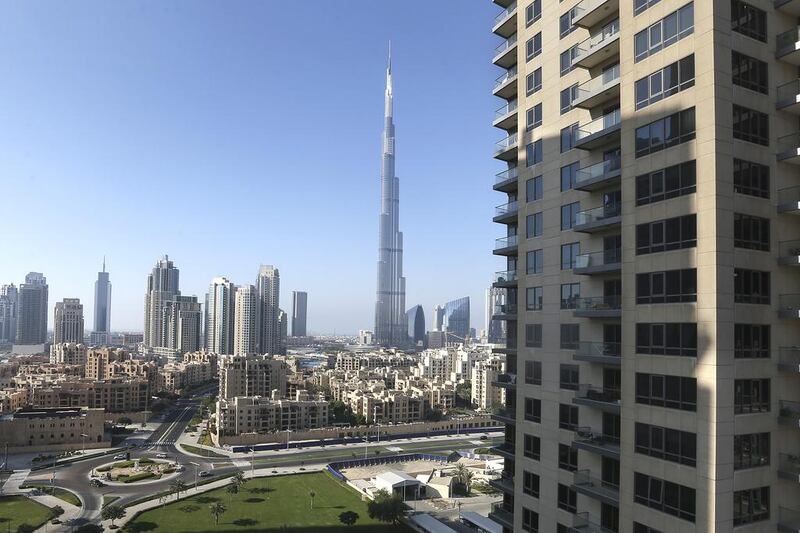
<point>664,33</point>
<point>672,79</point>
<point>667,286</point>
<point>665,132</point>
<point>534,259</point>
<point>570,336</point>
<point>666,443</point>
<point>665,496</point>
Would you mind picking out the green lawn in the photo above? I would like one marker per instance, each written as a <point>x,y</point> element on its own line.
<point>61,494</point>
<point>201,451</point>
<point>16,510</point>
<point>267,504</point>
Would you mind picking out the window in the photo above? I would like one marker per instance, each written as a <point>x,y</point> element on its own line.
<point>533,81</point>
<point>533,117</point>
<point>749,72</point>
<point>664,33</point>
<point>533,12</point>
<point>568,136</point>
<point>570,292</point>
<point>568,96</point>
<point>566,59</point>
<point>567,498</point>
<point>533,225</point>
<point>569,255</point>
<point>750,505</point>
<point>670,182</point>
<point>665,82</point>
<point>533,371</point>
<point>667,286</point>
<point>533,261</point>
<point>667,338</point>
<point>750,125</point>
<point>569,213</point>
<point>533,446</point>
<point>750,286</point>
<point>530,484</point>
<point>533,410</point>
<point>666,443</point>
<point>565,25</point>
<point>665,132</point>
<point>570,336</point>
<point>569,377</point>
<point>534,46</point>
<point>568,175</point>
<point>663,235</point>
<point>665,496</point>
<point>750,232</point>
<point>672,392</point>
<point>748,20</point>
<point>533,153</point>
<point>751,341</point>
<point>750,396</point>
<point>640,5</point>
<point>750,178</point>
<point>533,299</point>
<point>567,416</point>
<point>641,528</point>
<point>750,450</point>
<point>533,335</point>
<point>533,189</point>
<point>567,457</point>
<point>530,520</point>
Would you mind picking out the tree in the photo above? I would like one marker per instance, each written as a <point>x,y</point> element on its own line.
<point>177,487</point>
<point>112,512</point>
<point>348,518</point>
<point>232,489</point>
<point>467,481</point>
<point>217,510</point>
<point>89,528</point>
<point>25,528</point>
<point>238,478</point>
<point>386,507</point>
<point>311,494</point>
<point>56,511</point>
<point>434,415</point>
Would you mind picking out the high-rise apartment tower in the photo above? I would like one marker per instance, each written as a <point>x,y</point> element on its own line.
<point>299,313</point>
<point>102,307</point>
<point>220,316</point>
<point>268,334</point>
<point>68,321</point>
<point>32,310</point>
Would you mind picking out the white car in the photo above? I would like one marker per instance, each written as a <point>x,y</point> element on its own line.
<point>161,456</point>
<point>120,457</point>
<point>204,473</point>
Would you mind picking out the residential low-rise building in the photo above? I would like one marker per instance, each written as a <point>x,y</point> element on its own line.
<point>118,395</point>
<point>485,393</point>
<point>256,414</point>
<point>68,353</point>
<point>37,429</point>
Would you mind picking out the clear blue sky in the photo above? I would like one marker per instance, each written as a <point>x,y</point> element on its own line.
<point>230,134</point>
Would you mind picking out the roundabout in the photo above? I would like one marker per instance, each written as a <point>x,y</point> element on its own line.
<point>135,471</point>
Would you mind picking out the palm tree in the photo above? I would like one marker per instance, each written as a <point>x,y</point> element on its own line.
<point>238,477</point>
<point>177,487</point>
<point>467,480</point>
<point>232,489</point>
<point>217,510</point>
<point>312,494</point>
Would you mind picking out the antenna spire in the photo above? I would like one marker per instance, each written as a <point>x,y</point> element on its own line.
<point>104,263</point>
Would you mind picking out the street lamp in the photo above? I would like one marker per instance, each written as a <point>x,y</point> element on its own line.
<point>196,467</point>
<point>83,441</point>
<point>287,438</point>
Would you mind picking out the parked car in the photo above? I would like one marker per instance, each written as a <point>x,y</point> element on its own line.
<point>161,456</point>
<point>204,473</point>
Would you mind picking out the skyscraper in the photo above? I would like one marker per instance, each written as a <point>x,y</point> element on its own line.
<point>438,317</point>
<point>268,284</point>
<point>299,310</point>
<point>495,328</point>
<point>455,321</point>
<point>182,324</point>
<point>102,307</point>
<point>244,336</point>
<point>390,317</point>
<point>32,310</point>
<point>68,321</point>
<point>649,226</point>
<point>8,313</point>
<point>415,318</point>
<point>283,328</point>
<point>220,316</point>
<point>162,286</point>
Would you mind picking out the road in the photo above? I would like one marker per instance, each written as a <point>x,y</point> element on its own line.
<point>75,476</point>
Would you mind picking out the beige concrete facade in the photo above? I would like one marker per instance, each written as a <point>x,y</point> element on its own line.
<point>254,414</point>
<point>30,430</point>
<point>552,371</point>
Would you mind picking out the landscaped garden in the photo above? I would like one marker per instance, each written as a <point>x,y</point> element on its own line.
<point>135,470</point>
<point>302,503</point>
<point>18,510</point>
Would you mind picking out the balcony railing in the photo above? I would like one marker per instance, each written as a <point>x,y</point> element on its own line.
<point>599,349</point>
<point>597,172</point>
<point>785,42</point>
<point>504,14</point>
<point>506,448</point>
<point>597,260</point>
<point>598,214</point>
<point>502,111</point>
<point>789,466</point>
<point>788,520</point>
<point>506,379</point>
<point>788,200</point>
<point>598,125</point>
<point>787,93</point>
<point>505,45</point>
<point>506,144</point>
<point>505,242</point>
<point>508,413</point>
<point>789,252</point>
<point>789,358</point>
<point>588,439</point>
<point>586,523</point>
<point>789,306</point>
<point>507,175</point>
<point>788,146</point>
<point>584,482</point>
<point>605,399</point>
<point>598,83</point>
<point>597,40</point>
<point>789,413</point>
<point>505,309</point>
<point>505,276</point>
<point>505,77</point>
<point>598,304</point>
<point>505,482</point>
<point>506,209</point>
<point>503,514</point>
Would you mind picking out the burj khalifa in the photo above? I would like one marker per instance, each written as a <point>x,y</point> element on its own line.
<point>390,315</point>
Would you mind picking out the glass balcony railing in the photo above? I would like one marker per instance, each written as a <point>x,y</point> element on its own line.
<point>505,309</point>
<point>504,14</point>
<point>788,304</point>
<point>505,276</point>
<point>597,394</point>
<point>789,358</point>
<point>790,196</point>
<point>583,479</point>
<point>789,410</point>
<point>506,45</point>
<point>506,209</point>
<point>510,107</point>
<point>598,214</point>
<point>506,175</point>
<point>597,40</point>
<point>588,435</point>
<point>586,523</point>
<point>502,513</point>
<point>789,465</point>
<point>788,143</point>
<point>507,76</point>
<point>598,303</point>
<point>789,248</point>
<point>505,242</point>
<point>788,91</point>
<point>598,125</point>
<point>506,447</point>
<point>597,259</point>
<point>788,519</point>
<point>597,171</point>
<point>506,144</point>
<point>598,83</point>
<point>506,379</point>
<point>599,349</point>
<point>786,40</point>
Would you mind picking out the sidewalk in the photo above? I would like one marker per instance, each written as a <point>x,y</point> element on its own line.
<point>132,511</point>
<point>12,484</point>
<point>70,511</point>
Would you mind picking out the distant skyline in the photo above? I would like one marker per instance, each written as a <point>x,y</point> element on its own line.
<point>226,139</point>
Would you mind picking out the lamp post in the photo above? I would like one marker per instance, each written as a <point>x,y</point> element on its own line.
<point>196,467</point>
<point>83,442</point>
<point>287,438</point>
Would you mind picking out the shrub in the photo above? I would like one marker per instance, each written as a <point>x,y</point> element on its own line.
<point>137,477</point>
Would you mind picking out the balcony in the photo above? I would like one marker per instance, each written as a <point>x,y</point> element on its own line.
<point>505,415</point>
<point>598,48</point>
<point>506,181</point>
<point>590,13</point>
<point>505,278</point>
<point>787,46</point>
<point>506,213</point>
<point>599,307</point>
<point>789,467</point>
<point>507,349</point>
<point>502,515</point>
<point>788,520</point>
<point>789,200</point>
<point>598,489</point>
<point>792,7</point>
<point>605,262</point>
<point>506,149</point>
<point>506,381</point>
<point>789,359</point>
<point>600,175</point>
<point>505,55</point>
<point>505,312</point>
<point>604,353</point>
<point>789,414</point>
<point>789,149</point>
<point>506,245</point>
<point>607,400</point>
<point>600,132</point>
<point>789,306</point>
<point>598,219</point>
<point>505,86</point>
<point>505,23</point>
<point>788,97</point>
<point>505,483</point>
<point>585,523</point>
<point>505,117</point>
<point>503,3</point>
<point>596,442</point>
<point>789,253</point>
